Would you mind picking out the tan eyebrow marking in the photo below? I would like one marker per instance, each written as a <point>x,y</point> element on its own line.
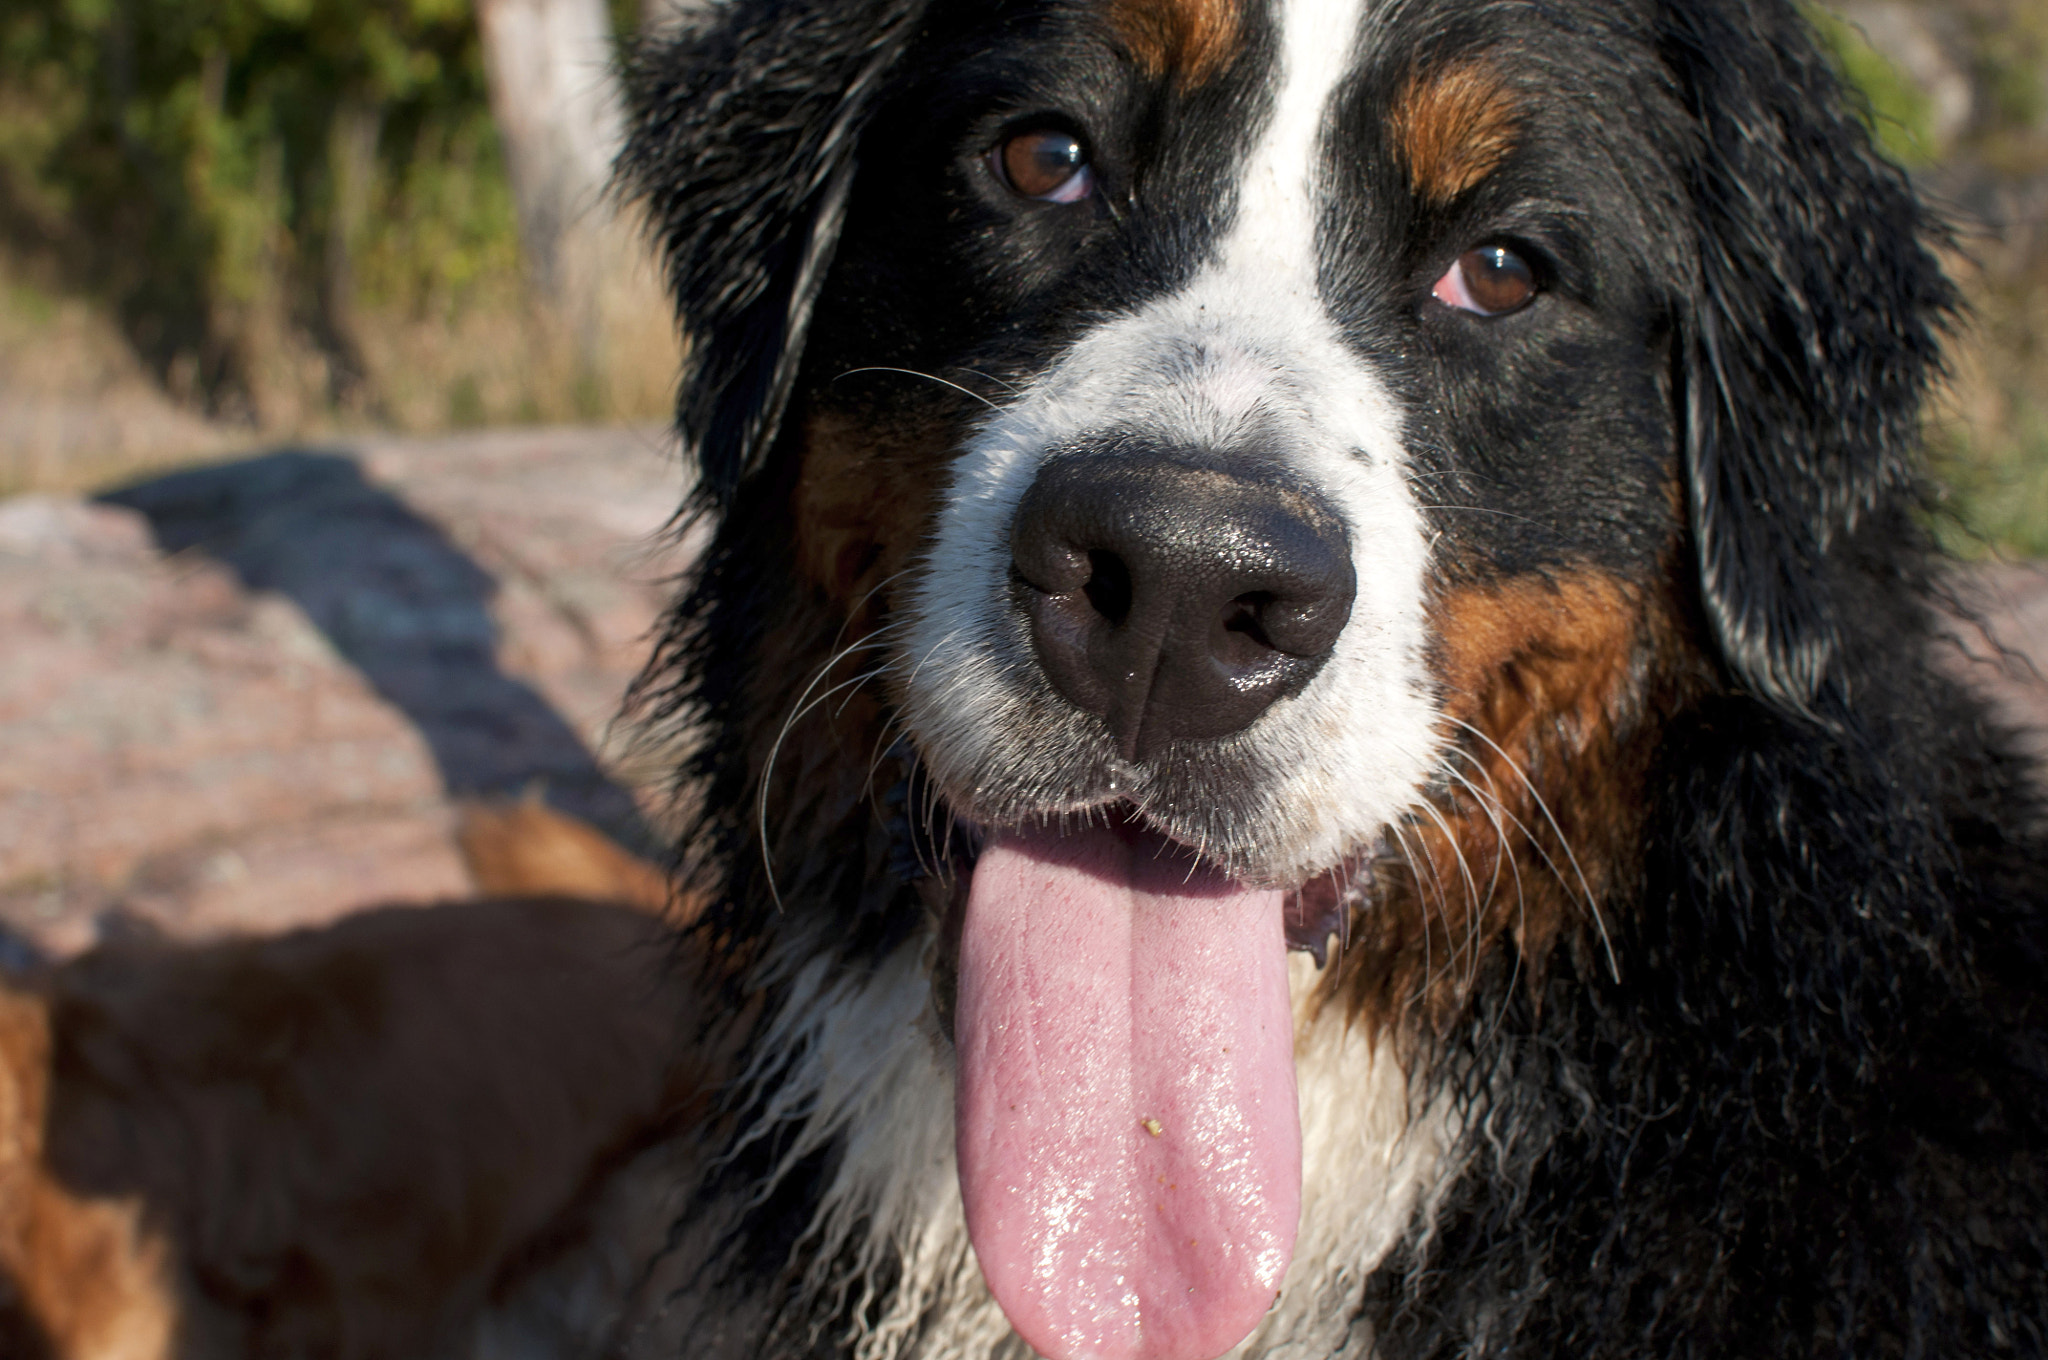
<point>1453,128</point>
<point>1192,39</point>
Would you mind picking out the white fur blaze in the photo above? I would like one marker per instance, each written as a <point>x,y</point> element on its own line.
<point>1245,357</point>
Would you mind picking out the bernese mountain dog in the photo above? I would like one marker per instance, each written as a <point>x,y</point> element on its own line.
<point>1315,694</point>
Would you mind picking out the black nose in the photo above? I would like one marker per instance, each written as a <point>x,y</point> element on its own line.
<point>1176,598</point>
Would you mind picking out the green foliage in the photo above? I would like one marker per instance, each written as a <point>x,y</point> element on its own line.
<point>1989,436</point>
<point>223,171</point>
<point>2012,73</point>
<point>1899,113</point>
<point>443,222</point>
<point>1997,487</point>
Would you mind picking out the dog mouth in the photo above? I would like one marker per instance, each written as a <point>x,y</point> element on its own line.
<point>942,862</point>
<point>1127,1126</point>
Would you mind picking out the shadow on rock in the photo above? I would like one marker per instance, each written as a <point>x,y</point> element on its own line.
<point>400,602</point>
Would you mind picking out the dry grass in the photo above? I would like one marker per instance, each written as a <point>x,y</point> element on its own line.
<point>1989,433</point>
<point>76,407</point>
<point>78,410</point>
<point>504,359</point>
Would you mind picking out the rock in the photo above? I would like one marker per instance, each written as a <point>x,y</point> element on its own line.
<point>243,696</point>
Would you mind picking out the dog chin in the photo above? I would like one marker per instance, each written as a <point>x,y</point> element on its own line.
<point>1203,804</point>
<point>1234,802</point>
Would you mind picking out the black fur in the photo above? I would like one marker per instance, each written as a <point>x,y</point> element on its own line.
<point>1814,334</point>
<point>1806,1114</point>
<point>743,151</point>
<point>1809,1118</point>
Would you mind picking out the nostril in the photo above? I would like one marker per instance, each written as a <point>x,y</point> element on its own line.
<point>1246,615</point>
<point>1109,586</point>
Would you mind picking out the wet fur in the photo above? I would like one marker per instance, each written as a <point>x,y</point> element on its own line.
<point>1711,953</point>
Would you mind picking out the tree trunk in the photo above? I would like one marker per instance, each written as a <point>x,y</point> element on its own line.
<point>351,169</point>
<point>554,94</point>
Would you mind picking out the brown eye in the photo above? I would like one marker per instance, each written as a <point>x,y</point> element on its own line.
<point>1046,164</point>
<point>1487,281</point>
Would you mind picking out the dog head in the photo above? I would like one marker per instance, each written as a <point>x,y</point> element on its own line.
<point>1281,328</point>
<point>1274,436</point>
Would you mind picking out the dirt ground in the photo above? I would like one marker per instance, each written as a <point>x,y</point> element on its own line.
<point>247,696</point>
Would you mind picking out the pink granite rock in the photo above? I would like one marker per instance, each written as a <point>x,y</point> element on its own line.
<point>242,697</point>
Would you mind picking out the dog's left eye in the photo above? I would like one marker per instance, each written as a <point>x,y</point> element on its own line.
<point>1045,164</point>
<point>1489,281</point>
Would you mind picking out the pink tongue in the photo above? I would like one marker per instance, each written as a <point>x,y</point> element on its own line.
<point>1130,1145</point>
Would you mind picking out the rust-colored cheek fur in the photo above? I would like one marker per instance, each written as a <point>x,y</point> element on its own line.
<point>1543,682</point>
<point>1452,128</point>
<point>865,498</point>
<point>861,508</point>
<point>1189,39</point>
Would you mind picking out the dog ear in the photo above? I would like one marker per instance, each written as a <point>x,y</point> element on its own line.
<point>1808,347</point>
<point>741,150</point>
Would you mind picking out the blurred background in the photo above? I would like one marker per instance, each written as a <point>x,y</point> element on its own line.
<point>332,473</point>
<point>226,222</point>
<point>1957,92</point>
<point>230,222</point>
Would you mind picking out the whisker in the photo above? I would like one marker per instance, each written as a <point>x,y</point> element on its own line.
<point>1345,888</point>
<point>1528,836</point>
<point>952,830</point>
<point>1500,836</point>
<point>850,685</point>
<point>879,752</point>
<point>860,604</point>
<point>1489,510</point>
<point>797,711</point>
<point>1490,804</point>
<point>929,653</point>
<point>1471,887</point>
<point>990,377</point>
<point>1344,917</point>
<point>873,674</point>
<point>1408,858</point>
<point>929,816</point>
<point>930,793</point>
<point>914,373</point>
<point>1422,892</point>
<point>1431,973</point>
<point>1592,906</point>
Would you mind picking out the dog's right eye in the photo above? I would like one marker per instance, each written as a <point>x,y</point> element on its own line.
<point>1490,280</point>
<point>1045,164</point>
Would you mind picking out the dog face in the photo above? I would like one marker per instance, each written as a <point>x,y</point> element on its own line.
<point>1212,398</point>
<point>1409,306</point>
